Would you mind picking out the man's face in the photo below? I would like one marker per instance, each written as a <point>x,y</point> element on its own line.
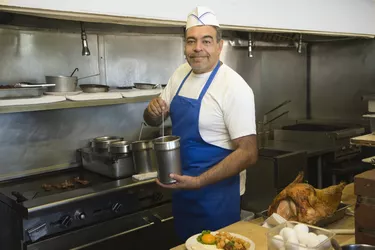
<point>202,50</point>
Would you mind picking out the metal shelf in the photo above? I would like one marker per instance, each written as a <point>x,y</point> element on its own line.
<point>72,104</point>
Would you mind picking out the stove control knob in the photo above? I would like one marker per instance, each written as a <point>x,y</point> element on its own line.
<point>82,216</point>
<point>66,221</point>
<point>79,215</point>
<point>116,207</point>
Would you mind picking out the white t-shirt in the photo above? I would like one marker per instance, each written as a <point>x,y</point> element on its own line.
<point>227,110</point>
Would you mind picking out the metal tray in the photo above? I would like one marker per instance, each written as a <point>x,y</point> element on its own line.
<point>13,93</point>
<point>338,215</point>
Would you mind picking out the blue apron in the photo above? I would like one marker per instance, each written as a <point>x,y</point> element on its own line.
<point>211,207</point>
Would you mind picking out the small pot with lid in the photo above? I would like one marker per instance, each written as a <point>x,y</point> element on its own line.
<point>167,151</point>
<point>101,144</point>
<point>120,147</point>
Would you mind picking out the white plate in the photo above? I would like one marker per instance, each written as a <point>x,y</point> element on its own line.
<point>193,244</point>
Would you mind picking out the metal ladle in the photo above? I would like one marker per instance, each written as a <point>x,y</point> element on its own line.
<point>74,71</point>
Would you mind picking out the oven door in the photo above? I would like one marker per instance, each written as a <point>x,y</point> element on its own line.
<point>136,231</point>
<point>160,235</point>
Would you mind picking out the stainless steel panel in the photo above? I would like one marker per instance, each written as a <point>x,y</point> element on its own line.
<point>31,55</point>
<point>40,139</point>
<point>340,74</point>
<point>141,58</point>
<point>249,68</point>
<point>283,78</point>
<point>274,76</point>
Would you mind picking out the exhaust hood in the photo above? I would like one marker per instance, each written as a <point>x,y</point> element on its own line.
<point>279,41</point>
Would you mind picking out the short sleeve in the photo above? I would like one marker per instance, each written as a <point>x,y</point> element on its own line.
<point>166,93</point>
<point>239,111</point>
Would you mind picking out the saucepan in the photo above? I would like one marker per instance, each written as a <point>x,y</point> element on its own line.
<point>63,83</point>
<point>59,83</point>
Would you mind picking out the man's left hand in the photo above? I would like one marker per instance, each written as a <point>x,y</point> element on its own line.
<point>183,182</point>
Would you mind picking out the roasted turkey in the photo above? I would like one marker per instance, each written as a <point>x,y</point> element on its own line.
<point>304,203</point>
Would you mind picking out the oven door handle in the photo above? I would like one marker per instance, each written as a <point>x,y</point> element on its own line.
<point>163,219</point>
<point>149,223</point>
<point>95,233</point>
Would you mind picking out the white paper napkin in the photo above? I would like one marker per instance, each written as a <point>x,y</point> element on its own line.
<point>140,92</point>
<point>94,96</point>
<point>30,101</point>
<point>274,220</point>
<point>145,176</point>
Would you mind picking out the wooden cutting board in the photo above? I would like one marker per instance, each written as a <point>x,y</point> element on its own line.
<point>250,230</point>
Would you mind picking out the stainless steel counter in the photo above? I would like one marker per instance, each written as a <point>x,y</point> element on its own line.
<point>311,149</point>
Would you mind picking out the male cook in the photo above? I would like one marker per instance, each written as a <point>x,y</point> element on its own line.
<point>212,110</point>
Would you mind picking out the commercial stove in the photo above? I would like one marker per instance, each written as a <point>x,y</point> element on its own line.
<point>77,209</point>
<point>332,136</point>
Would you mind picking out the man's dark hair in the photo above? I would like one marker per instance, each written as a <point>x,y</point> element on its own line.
<point>219,33</point>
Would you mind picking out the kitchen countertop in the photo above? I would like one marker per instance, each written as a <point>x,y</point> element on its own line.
<point>253,230</point>
<point>311,149</point>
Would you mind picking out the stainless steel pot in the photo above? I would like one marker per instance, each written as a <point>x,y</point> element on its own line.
<point>101,144</point>
<point>62,83</point>
<point>119,147</point>
<point>167,151</point>
<point>143,156</point>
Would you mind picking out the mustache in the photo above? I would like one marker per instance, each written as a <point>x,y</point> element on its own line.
<point>197,55</point>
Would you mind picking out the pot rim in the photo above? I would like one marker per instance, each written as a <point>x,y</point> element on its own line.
<point>61,76</point>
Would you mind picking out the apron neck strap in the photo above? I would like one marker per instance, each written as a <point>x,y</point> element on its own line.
<point>207,84</point>
<point>209,81</point>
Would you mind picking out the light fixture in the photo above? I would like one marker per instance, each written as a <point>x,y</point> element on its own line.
<point>85,47</point>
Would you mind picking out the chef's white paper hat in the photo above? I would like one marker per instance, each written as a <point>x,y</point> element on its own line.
<point>201,16</point>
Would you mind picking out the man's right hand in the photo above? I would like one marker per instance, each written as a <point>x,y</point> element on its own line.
<point>157,107</point>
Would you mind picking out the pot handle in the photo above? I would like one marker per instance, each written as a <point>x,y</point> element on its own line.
<point>22,85</point>
<point>157,86</point>
<point>88,76</point>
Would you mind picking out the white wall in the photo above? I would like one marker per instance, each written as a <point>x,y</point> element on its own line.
<point>337,16</point>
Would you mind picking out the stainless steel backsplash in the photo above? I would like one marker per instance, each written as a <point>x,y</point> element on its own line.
<point>341,74</point>
<point>40,139</point>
